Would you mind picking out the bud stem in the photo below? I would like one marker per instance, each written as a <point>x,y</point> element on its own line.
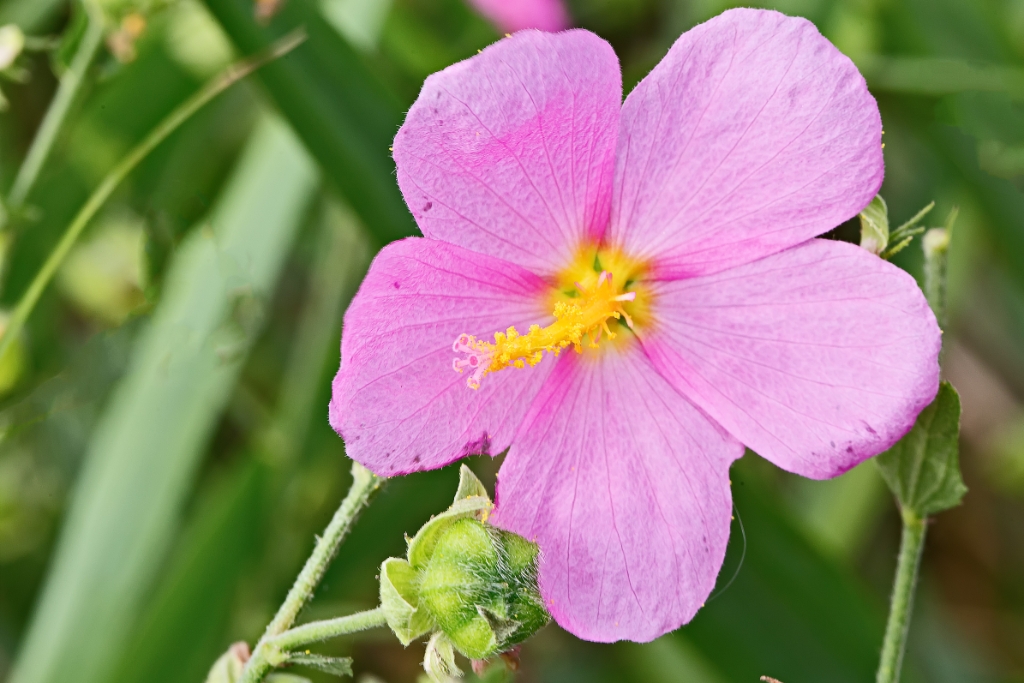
<point>316,631</point>
<point>904,585</point>
<point>70,81</point>
<point>936,249</point>
<point>364,485</point>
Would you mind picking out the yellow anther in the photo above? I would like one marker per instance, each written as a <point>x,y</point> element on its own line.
<point>587,299</point>
<point>575,319</point>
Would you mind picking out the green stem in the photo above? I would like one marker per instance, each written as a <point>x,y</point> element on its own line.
<point>186,109</point>
<point>45,137</point>
<point>895,643</point>
<point>266,653</point>
<point>317,631</point>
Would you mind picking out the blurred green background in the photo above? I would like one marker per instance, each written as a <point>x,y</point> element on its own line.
<point>165,457</point>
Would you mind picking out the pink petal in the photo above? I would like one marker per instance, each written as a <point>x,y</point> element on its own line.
<point>817,357</point>
<point>397,401</point>
<point>624,484</point>
<point>752,135</point>
<point>510,153</point>
<point>515,15</point>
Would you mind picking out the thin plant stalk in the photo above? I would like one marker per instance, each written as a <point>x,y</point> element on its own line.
<point>904,586</point>
<point>267,653</point>
<point>318,631</point>
<point>57,112</point>
<point>936,251</point>
<point>110,182</point>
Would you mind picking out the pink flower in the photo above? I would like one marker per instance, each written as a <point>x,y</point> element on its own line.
<point>516,15</point>
<point>682,223</point>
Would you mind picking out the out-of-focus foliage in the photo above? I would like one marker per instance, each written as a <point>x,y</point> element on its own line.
<point>143,531</point>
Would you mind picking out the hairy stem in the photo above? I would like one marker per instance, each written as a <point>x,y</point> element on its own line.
<point>186,109</point>
<point>317,631</point>
<point>70,81</point>
<point>904,586</point>
<point>267,652</point>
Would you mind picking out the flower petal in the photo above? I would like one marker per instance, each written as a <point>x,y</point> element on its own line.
<point>818,357</point>
<point>624,484</point>
<point>510,153</point>
<point>397,401</point>
<point>516,15</point>
<point>752,135</point>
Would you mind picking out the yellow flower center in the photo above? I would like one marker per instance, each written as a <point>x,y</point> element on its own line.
<point>594,294</point>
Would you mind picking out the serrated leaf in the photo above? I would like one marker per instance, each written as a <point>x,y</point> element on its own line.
<point>337,666</point>
<point>923,468</point>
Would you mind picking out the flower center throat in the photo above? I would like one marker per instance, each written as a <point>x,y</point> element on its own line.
<point>586,311</point>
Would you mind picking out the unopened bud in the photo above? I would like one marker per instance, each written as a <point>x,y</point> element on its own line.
<point>439,660</point>
<point>470,584</point>
<point>121,42</point>
<point>228,668</point>
<point>12,42</point>
<point>874,226</point>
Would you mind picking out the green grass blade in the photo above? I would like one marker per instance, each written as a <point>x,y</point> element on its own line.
<point>143,454</point>
<point>339,108</point>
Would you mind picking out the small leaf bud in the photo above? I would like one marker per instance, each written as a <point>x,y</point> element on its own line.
<point>874,226</point>
<point>12,42</point>
<point>228,667</point>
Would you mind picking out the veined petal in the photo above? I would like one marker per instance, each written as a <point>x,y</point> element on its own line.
<point>516,15</point>
<point>397,401</point>
<point>817,357</point>
<point>624,484</point>
<point>510,153</point>
<point>752,135</point>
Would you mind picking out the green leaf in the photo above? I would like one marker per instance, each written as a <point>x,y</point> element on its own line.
<point>338,666</point>
<point>923,468</point>
<point>185,621</point>
<point>279,677</point>
<point>144,452</point>
<point>344,115</point>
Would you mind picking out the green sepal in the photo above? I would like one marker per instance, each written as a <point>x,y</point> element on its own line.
<point>337,666</point>
<point>874,226</point>
<point>923,468</point>
<point>500,625</point>
<point>399,599</point>
<point>439,659</point>
<point>469,485</point>
<point>421,546</point>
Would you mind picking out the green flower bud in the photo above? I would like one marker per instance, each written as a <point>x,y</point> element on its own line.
<point>465,580</point>
<point>228,668</point>
<point>12,42</point>
<point>874,226</point>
